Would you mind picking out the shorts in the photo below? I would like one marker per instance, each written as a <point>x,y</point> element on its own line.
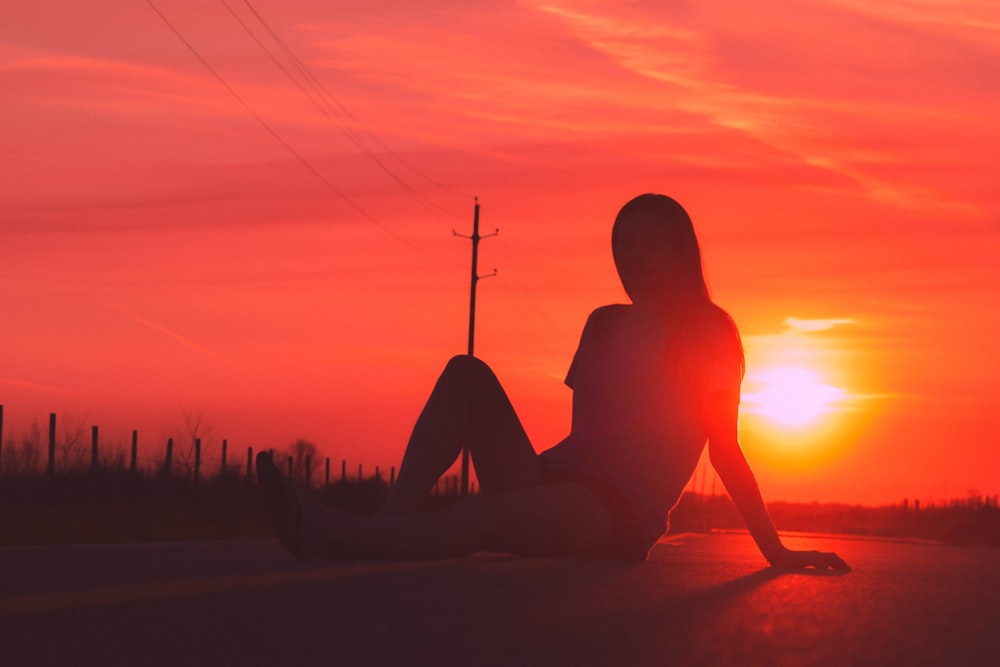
<point>627,541</point>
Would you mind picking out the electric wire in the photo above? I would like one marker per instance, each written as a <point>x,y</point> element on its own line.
<point>274,59</point>
<point>317,84</point>
<point>327,110</point>
<point>335,107</point>
<point>267,126</point>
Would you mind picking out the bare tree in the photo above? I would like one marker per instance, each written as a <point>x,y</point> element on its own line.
<point>72,447</point>
<point>300,451</point>
<point>192,427</point>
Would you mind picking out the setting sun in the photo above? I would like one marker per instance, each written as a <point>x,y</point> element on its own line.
<point>792,397</point>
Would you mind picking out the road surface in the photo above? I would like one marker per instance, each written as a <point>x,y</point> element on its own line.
<point>699,600</point>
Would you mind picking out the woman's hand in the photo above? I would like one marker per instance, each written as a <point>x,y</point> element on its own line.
<point>821,560</point>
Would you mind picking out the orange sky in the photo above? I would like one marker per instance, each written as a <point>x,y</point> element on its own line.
<point>277,257</point>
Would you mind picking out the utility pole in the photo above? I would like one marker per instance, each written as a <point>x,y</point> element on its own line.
<point>475,238</point>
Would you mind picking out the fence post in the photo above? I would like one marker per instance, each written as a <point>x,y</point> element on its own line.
<point>328,471</point>
<point>224,445</point>
<point>132,465</point>
<point>197,458</point>
<point>309,472</point>
<point>359,473</point>
<point>249,462</point>
<point>52,445</point>
<point>169,457</point>
<point>93,448</point>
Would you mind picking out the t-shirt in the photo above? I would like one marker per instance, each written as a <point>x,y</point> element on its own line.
<point>638,388</point>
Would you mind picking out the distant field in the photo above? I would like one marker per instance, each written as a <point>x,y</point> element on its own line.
<point>113,505</point>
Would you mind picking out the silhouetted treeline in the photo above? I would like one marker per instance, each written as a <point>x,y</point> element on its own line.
<point>115,504</point>
<point>974,520</point>
<point>68,485</point>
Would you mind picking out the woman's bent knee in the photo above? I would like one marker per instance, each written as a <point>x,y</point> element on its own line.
<point>468,367</point>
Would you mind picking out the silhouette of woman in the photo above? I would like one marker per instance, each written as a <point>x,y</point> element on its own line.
<point>652,382</point>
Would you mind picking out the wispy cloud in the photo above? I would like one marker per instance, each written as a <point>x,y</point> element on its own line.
<point>798,325</point>
<point>39,387</point>
<point>187,342</point>
<point>700,59</point>
<point>967,19</point>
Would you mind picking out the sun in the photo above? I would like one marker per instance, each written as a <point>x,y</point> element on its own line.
<point>791,397</point>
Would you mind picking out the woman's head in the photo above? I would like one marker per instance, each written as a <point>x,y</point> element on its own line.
<point>657,255</point>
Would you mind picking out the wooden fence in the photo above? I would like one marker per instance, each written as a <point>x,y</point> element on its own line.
<point>167,468</point>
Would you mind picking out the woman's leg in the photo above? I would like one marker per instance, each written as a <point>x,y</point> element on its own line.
<point>546,520</point>
<point>516,513</point>
<point>467,407</point>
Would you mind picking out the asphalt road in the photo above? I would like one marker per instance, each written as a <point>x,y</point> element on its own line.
<point>699,600</point>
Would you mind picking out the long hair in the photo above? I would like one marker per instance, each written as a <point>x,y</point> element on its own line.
<point>690,289</point>
<point>693,312</point>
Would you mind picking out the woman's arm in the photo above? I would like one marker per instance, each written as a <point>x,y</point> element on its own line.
<point>728,459</point>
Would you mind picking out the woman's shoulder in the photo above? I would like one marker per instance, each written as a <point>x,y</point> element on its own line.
<point>714,322</point>
<point>717,335</point>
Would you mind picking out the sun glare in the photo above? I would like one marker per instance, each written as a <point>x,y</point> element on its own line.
<point>791,397</point>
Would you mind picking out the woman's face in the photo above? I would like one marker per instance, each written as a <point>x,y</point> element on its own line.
<point>645,251</point>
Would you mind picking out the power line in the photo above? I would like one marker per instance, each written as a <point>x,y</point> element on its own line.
<point>263,123</point>
<point>324,109</point>
<point>332,101</point>
<point>274,58</point>
<point>329,111</point>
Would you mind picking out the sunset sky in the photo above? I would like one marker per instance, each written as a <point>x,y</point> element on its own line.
<point>243,214</point>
